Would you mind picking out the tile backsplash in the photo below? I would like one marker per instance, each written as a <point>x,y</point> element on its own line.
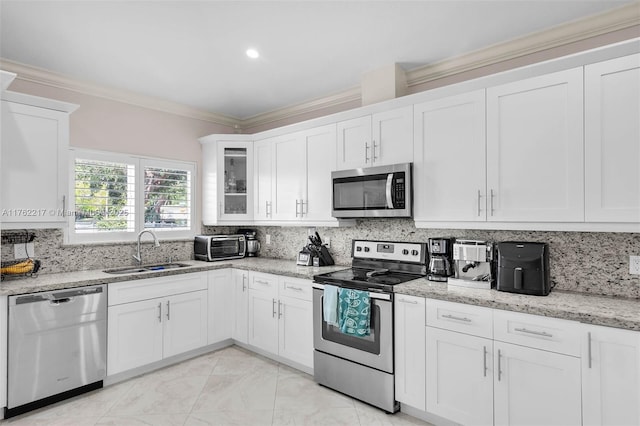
<point>586,262</point>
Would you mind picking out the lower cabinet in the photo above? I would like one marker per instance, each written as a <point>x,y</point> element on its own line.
<point>610,376</point>
<point>410,350</point>
<point>281,317</point>
<point>240,293</point>
<point>221,312</point>
<point>144,331</point>
<point>460,376</point>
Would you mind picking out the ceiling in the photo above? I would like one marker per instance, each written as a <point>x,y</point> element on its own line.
<point>193,52</point>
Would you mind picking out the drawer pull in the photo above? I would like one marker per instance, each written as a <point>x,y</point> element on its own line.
<point>262,282</point>
<point>294,288</point>
<point>273,306</point>
<point>463,319</point>
<point>413,302</point>
<point>535,333</point>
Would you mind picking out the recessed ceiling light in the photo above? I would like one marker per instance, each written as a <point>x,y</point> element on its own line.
<point>253,53</point>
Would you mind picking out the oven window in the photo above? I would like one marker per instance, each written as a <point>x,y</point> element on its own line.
<point>360,193</point>
<point>370,343</point>
<point>225,248</point>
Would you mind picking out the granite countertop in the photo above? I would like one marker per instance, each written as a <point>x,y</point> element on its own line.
<point>591,309</point>
<point>586,308</point>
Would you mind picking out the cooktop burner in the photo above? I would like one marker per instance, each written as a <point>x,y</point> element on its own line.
<point>357,277</point>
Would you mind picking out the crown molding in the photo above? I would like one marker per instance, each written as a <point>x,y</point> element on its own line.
<point>335,100</point>
<point>616,19</point>
<point>49,78</point>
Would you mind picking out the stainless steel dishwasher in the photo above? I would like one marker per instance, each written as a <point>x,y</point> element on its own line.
<point>57,346</point>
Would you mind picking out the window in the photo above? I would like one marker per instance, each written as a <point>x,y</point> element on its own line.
<point>107,188</point>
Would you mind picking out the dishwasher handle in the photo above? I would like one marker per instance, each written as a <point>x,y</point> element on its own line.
<point>56,302</point>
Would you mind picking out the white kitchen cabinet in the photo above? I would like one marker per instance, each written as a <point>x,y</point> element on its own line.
<point>410,360</point>
<point>535,169</point>
<point>240,305</point>
<point>450,160</point>
<point>227,179</point>
<point>155,318</point>
<point>459,371</point>
<point>374,140</point>
<point>221,312</point>
<point>4,314</point>
<point>295,187</point>
<point>610,376</point>
<point>35,143</point>
<point>262,177</point>
<point>612,140</point>
<point>535,387</point>
<point>281,317</point>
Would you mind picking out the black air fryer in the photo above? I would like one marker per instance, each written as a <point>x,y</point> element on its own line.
<point>523,268</point>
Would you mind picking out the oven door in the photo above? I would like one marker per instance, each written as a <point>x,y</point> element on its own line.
<point>375,350</point>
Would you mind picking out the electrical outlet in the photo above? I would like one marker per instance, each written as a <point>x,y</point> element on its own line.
<point>21,251</point>
<point>327,241</point>
<point>267,239</point>
<point>634,265</point>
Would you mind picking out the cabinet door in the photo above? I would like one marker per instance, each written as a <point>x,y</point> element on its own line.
<point>295,330</point>
<point>612,140</point>
<point>321,161</point>
<point>459,368</point>
<point>354,143</point>
<point>450,160</point>
<point>134,335</point>
<point>535,149</point>
<point>410,350</point>
<point>611,376</point>
<point>34,168</point>
<point>235,174</point>
<point>220,294</point>
<point>262,179</point>
<point>392,137</point>
<point>534,387</point>
<point>289,177</point>
<point>263,320</point>
<point>4,314</point>
<point>185,322</point>
<point>240,305</point>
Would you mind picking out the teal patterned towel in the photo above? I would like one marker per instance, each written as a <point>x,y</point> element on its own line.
<point>354,312</point>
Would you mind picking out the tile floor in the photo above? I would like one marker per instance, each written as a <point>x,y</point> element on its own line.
<point>228,387</point>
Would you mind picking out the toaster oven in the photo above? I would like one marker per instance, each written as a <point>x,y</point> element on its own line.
<point>219,247</point>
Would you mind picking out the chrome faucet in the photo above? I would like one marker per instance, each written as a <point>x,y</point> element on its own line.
<point>138,256</point>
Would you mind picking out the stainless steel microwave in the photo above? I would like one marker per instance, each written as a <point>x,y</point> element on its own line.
<point>383,191</point>
<point>219,247</point>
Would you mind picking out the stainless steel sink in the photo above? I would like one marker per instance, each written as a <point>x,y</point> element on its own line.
<point>145,268</point>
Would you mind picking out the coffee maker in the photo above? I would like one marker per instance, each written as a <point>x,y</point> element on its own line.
<point>440,266</point>
<point>253,245</point>
<point>472,264</point>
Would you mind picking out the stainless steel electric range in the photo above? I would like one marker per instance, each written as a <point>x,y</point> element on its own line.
<point>362,366</point>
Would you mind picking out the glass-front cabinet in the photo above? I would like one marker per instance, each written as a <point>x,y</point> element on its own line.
<point>227,179</point>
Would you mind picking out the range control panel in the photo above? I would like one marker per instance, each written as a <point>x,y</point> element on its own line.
<point>404,252</point>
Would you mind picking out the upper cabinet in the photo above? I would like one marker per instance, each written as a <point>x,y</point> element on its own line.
<point>375,140</point>
<point>612,140</point>
<point>535,150</point>
<point>449,165</point>
<point>34,153</point>
<point>227,175</point>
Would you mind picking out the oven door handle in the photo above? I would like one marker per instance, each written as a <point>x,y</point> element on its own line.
<point>372,295</point>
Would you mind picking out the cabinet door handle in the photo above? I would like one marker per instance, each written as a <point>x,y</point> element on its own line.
<point>413,302</point>
<point>168,310</point>
<point>279,309</point>
<point>267,208</point>
<point>220,208</point>
<point>491,201</point>
<point>589,348</point>
<point>535,333</point>
<point>485,360</point>
<point>303,210</point>
<point>64,205</point>
<point>297,203</point>
<point>244,279</point>
<point>373,160</point>
<point>463,319</point>
<point>366,152</point>
<point>479,198</point>
<point>273,308</point>
<point>499,365</point>
<point>159,311</point>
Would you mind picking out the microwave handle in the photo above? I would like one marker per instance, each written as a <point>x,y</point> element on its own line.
<point>389,191</point>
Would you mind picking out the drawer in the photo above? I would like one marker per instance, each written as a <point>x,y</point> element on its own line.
<point>150,288</point>
<point>550,334</point>
<point>296,287</point>
<point>469,319</point>
<point>263,282</point>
